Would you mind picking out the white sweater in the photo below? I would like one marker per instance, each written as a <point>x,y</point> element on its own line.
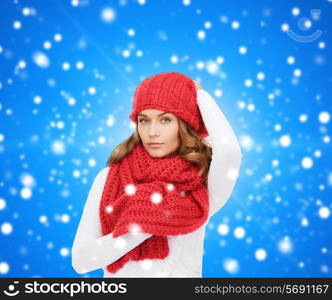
<point>91,250</point>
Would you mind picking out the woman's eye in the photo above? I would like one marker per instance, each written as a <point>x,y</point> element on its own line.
<point>141,121</point>
<point>166,119</point>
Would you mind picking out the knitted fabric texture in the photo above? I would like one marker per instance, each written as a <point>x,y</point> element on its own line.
<point>160,196</point>
<point>172,92</point>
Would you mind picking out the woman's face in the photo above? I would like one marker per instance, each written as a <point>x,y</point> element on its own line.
<point>157,126</point>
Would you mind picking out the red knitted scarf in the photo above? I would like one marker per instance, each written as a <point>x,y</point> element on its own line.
<point>160,196</point>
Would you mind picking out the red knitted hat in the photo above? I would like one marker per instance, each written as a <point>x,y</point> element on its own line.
<point>172,92</point>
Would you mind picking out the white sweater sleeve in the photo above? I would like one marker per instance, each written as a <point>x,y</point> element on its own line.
<point>226,152</point>
<point>91,250</point>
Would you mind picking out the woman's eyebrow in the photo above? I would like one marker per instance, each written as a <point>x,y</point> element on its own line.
<point>158,115</point>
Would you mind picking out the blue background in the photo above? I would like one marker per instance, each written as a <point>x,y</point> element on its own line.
<point>276,95</point>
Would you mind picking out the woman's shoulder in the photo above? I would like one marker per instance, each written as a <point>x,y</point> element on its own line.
<point>102,174</point>
<point>208,140</point>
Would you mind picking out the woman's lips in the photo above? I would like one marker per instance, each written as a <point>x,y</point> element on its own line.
<point>155,145</point>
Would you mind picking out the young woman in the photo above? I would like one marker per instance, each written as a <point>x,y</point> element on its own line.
<point>146,212</point>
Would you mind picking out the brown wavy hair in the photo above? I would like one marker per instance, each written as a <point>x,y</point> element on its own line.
<point>191,148</point>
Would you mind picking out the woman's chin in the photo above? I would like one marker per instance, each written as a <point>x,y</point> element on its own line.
<point>156,152</point>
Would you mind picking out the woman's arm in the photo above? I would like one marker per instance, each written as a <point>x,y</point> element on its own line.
<point>226,152</point>
<point>91,250</point>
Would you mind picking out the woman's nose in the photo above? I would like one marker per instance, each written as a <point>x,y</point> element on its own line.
<point>153,130</point>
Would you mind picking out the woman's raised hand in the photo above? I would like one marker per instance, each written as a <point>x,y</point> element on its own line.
<point>197,85</point>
